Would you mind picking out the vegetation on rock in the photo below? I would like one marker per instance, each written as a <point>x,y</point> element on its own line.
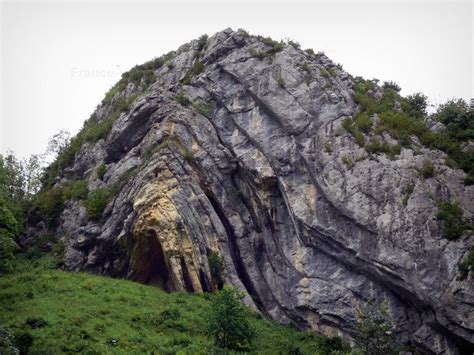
<point>452,217</point>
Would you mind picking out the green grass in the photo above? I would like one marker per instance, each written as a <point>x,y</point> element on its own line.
<point>77,312</point>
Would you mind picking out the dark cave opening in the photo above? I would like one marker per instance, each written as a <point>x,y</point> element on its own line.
<point>153,268</point>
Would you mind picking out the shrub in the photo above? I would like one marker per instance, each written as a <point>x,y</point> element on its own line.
<point>328,147</point>
<point>204,108</point>
<point>363,122</point>
<point>101,171</point>
<point>202,42</point>
<point>182,99</point>
<point>276,46</point>
<point>78,190</point>
<point>310,51</point>
<point>359,137</point>
<point>325,73</point>
<point>148,153</point>
<point>306,68</point>
<point>294,44</point>
<point>347,124</point>
<point>96,203</point>
<point>347,161</point>
<point>377,146</point>
<point>427,170</point>
<point>216,266</point>
<point>374,330</point>
<point>228,323</point>
<point>415,105</point>
<point>391,85</point>
<point>7,251</point>
<point>188,156</point>
<point>408,190</point>
<point>196,69</point>
<point>258,54</point>
<point>452,216</point>
<point>50,202</point>
<point>466,266</point>
<point>7,346</point>
<point>280,81</point>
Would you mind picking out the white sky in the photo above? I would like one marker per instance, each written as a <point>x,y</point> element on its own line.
<point>59,59</point>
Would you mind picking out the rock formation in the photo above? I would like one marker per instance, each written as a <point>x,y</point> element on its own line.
<point>235,148</point>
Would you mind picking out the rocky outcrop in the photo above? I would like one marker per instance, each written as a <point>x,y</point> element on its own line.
<point>256,168</point>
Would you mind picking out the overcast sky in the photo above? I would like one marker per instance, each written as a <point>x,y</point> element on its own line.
<point>59,59</point>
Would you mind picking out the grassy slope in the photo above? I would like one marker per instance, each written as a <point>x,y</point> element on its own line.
<point>93,314</point>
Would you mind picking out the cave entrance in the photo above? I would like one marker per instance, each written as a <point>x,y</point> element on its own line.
<point>154,269</point>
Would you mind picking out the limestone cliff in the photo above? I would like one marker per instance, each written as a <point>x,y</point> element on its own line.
<point>234,146</point>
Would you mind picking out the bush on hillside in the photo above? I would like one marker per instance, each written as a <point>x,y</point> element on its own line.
<point>452,217</point>
<point>96,203</point>
<point>229,324</point>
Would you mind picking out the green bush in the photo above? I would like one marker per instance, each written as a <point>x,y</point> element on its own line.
<point>96,203</point>
<point>363,122</point>
<point>188,156</point>
<point>377,146</point>
<point>276,46</point>
<point>182,99</point>
<point>216,266</point>
<point>196,69</point>
<point>7,345</point>
<point>415,105</point>
<point>347,161</point>
<point>391,85</point>
<point>452,216</point>
<point>76,190</point>
<point>280,81</point>
<point>328,147</point>
<point>202,42</point>
<point>258,54</point>
<point>408,190</point>
<point>229,324</point>
<point>50,202</point>
<point>204,108</point>
<point>359,137</point>
<point>375,330</point>
<point>294,44</point>
<point>466,266</point>
<point>347,124</point>
<point>8,247</point>
<point>427,170</point>
<point>101,171</point>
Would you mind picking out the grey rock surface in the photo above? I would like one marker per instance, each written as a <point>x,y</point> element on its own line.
<point>307,238</point>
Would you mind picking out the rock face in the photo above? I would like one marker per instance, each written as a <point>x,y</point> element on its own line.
<point>252,169</point>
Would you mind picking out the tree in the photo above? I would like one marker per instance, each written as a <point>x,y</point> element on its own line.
<point>417,104</point>
<point>32,169</point>
<point>11,212</point>
<point>228,323</point>
<point>374,330</point>
<point>391,85</point>
<point>58,143</point>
